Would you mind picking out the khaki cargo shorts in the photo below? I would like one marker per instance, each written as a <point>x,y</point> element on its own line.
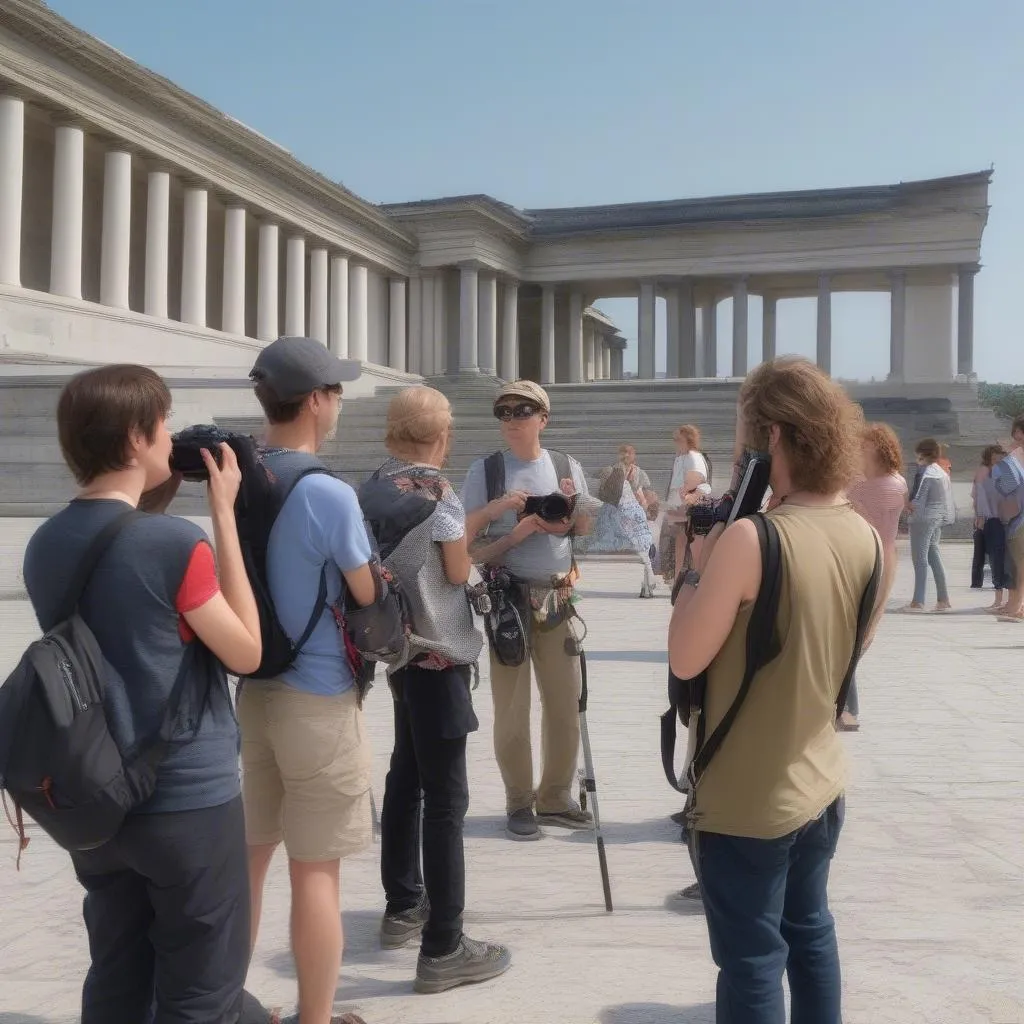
<point>306,765</point>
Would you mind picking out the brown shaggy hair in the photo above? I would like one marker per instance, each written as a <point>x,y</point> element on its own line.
<point>820,425</point>
<point>887,446</point>
<point>928,448</point>
<point>990,452</point>
<point>690,434</point>
<point>1018,424</point>
<point>100,409</point>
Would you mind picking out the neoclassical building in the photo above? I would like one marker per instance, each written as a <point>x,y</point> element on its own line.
<point>137,222</point>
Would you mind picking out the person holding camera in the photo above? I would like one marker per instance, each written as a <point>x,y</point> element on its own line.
<point>433,707</point>
<point>167,899</point>
<point>535,549</point>
<point>765,814</point>
<point>306,757</point>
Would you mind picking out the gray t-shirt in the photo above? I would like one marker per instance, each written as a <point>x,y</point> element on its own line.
<point>541,555</point>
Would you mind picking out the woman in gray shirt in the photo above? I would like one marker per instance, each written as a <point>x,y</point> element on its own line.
<point>930,510</point>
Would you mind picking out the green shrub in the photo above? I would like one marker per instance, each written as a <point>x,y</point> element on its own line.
<point>1004,399</point>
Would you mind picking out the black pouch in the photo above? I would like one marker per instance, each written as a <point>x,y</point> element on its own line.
<point>507,624</point>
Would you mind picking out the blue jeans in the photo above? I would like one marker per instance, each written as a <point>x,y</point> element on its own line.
<point>924,552</point>
<point>766,904</point>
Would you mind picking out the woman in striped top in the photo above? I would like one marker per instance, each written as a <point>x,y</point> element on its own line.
<point>880,497</point>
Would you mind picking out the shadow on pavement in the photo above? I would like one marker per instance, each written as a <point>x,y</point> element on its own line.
<point>655,830</point>
<point>657,657</point>
<point>657,1013</point>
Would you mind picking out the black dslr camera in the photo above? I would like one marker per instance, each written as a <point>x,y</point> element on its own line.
<point>186,450</point>
<point>753,471</point>
<point>552,508</point>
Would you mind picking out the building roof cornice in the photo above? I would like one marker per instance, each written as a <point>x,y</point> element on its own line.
<point>36,23</point>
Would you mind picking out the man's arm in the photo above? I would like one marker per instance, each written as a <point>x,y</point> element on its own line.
<point>335,506</point>
<point>704,616</point>
<point>482,551</point>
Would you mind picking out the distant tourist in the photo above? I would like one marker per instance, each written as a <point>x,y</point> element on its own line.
<point>766,814</point>
<point>689,459</point>
<point>879,496</point>
<point>623,523</point>
<point>1008,481</point>
<point>989,529</point>
<point>931,508</point>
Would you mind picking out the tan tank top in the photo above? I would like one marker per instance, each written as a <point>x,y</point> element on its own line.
<point>782,762</point>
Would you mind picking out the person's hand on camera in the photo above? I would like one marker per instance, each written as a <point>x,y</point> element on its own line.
<point>157,499</point>
<point>556,529</point>
<point>514,501</point>
<point>567,487</point>
<point>527,528</point>
<point>225,480</point>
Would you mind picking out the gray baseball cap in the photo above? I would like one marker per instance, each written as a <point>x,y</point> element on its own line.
<point>293,367</point>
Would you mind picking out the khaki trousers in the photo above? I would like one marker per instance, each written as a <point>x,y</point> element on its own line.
<point>558,681</point>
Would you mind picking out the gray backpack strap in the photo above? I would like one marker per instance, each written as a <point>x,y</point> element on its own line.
<point>563,467</point>
<point>494,475</point>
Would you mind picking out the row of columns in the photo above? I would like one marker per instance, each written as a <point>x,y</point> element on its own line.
<point>478,324</point>
<point>682,346</point>
<point>338,310</point>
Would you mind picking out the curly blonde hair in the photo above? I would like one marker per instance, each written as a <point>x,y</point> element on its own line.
<point>690,434</point>
<point>820,425</point>
<point>417,417</point>
<point>887,446</point>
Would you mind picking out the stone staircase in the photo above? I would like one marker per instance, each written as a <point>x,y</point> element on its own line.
<point>588,421</point>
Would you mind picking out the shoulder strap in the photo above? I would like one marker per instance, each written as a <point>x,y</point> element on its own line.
<point>321,596</point>
<point>494,475</point>
<point>563,467</point>
<point>760,636</point>
<point>864,612</point>
<point>89,561</point>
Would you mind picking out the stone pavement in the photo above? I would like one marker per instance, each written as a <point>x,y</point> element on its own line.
<point>928,885</point>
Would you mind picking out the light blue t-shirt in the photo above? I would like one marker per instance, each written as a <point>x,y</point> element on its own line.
<point>541,555</point>
<point>320,523</point>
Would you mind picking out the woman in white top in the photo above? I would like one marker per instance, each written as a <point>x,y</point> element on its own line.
<point>688,459</point>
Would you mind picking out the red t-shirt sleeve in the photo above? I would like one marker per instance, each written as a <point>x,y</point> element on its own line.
<point>200,581</point>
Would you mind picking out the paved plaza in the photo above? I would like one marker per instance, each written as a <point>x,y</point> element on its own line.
<point>928,885</point>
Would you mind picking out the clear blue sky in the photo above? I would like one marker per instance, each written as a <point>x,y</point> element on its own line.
<point>567,102</point>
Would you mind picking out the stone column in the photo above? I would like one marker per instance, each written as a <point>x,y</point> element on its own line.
<point>116,239</point>
<point>591,350</point>
<point>768,345</point>
<point>740,327</point>
<point>396,324</point>
<point>687,331</point>
<point>318,316</point>
<point>897,323</point>
<point>158,225</point>
<point>358,335</point>
<point>575,337</point>
<point>415,325</point>
<point>427,286</point>
<point>295,287</point>
<point>66,235</point>
<point>510,332</point>
<point>469,318</point>
<point>606,362</point>
<point>645,331</point>
<point>965,321</point>
<point>267,319</point>
<point>232,315</point>
<point>440,325</point>
<point>824,347</point>
<point>672,323</point>
<point>193,261</point>
<point>709,330</point>
<point>618,370</point>
<point>339,307</point>
<point>12,173</point>
<point>488,324</point>
<point>547,335</point>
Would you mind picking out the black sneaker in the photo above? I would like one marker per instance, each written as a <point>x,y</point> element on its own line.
<point>688,900</point>
<point>572,817</point>
<point>522,825</point>
<point>472,962</point>
<point>397,930</point>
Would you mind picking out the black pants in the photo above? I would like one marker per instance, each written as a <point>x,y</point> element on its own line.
<point>433,715</point>
<point>167,912</point>
<point>990,542</point>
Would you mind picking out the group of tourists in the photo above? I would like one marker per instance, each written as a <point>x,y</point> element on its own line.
<point>173,902</point>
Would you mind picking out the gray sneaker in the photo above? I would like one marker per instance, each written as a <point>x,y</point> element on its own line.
<point>688,900</point>
<point>572,817</point>
<point>522,825</point>
<point>397,930</point>
<point>470,963</point>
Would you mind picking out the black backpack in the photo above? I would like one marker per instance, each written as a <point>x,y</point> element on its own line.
<point>686,696</point>
<point>261,497</point>
<point>58,761</point>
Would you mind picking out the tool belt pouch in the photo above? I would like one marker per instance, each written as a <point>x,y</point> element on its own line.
<point>551,604</point>
<point>507,624</point>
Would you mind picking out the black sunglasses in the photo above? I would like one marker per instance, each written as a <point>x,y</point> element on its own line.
<point>505,413</point>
